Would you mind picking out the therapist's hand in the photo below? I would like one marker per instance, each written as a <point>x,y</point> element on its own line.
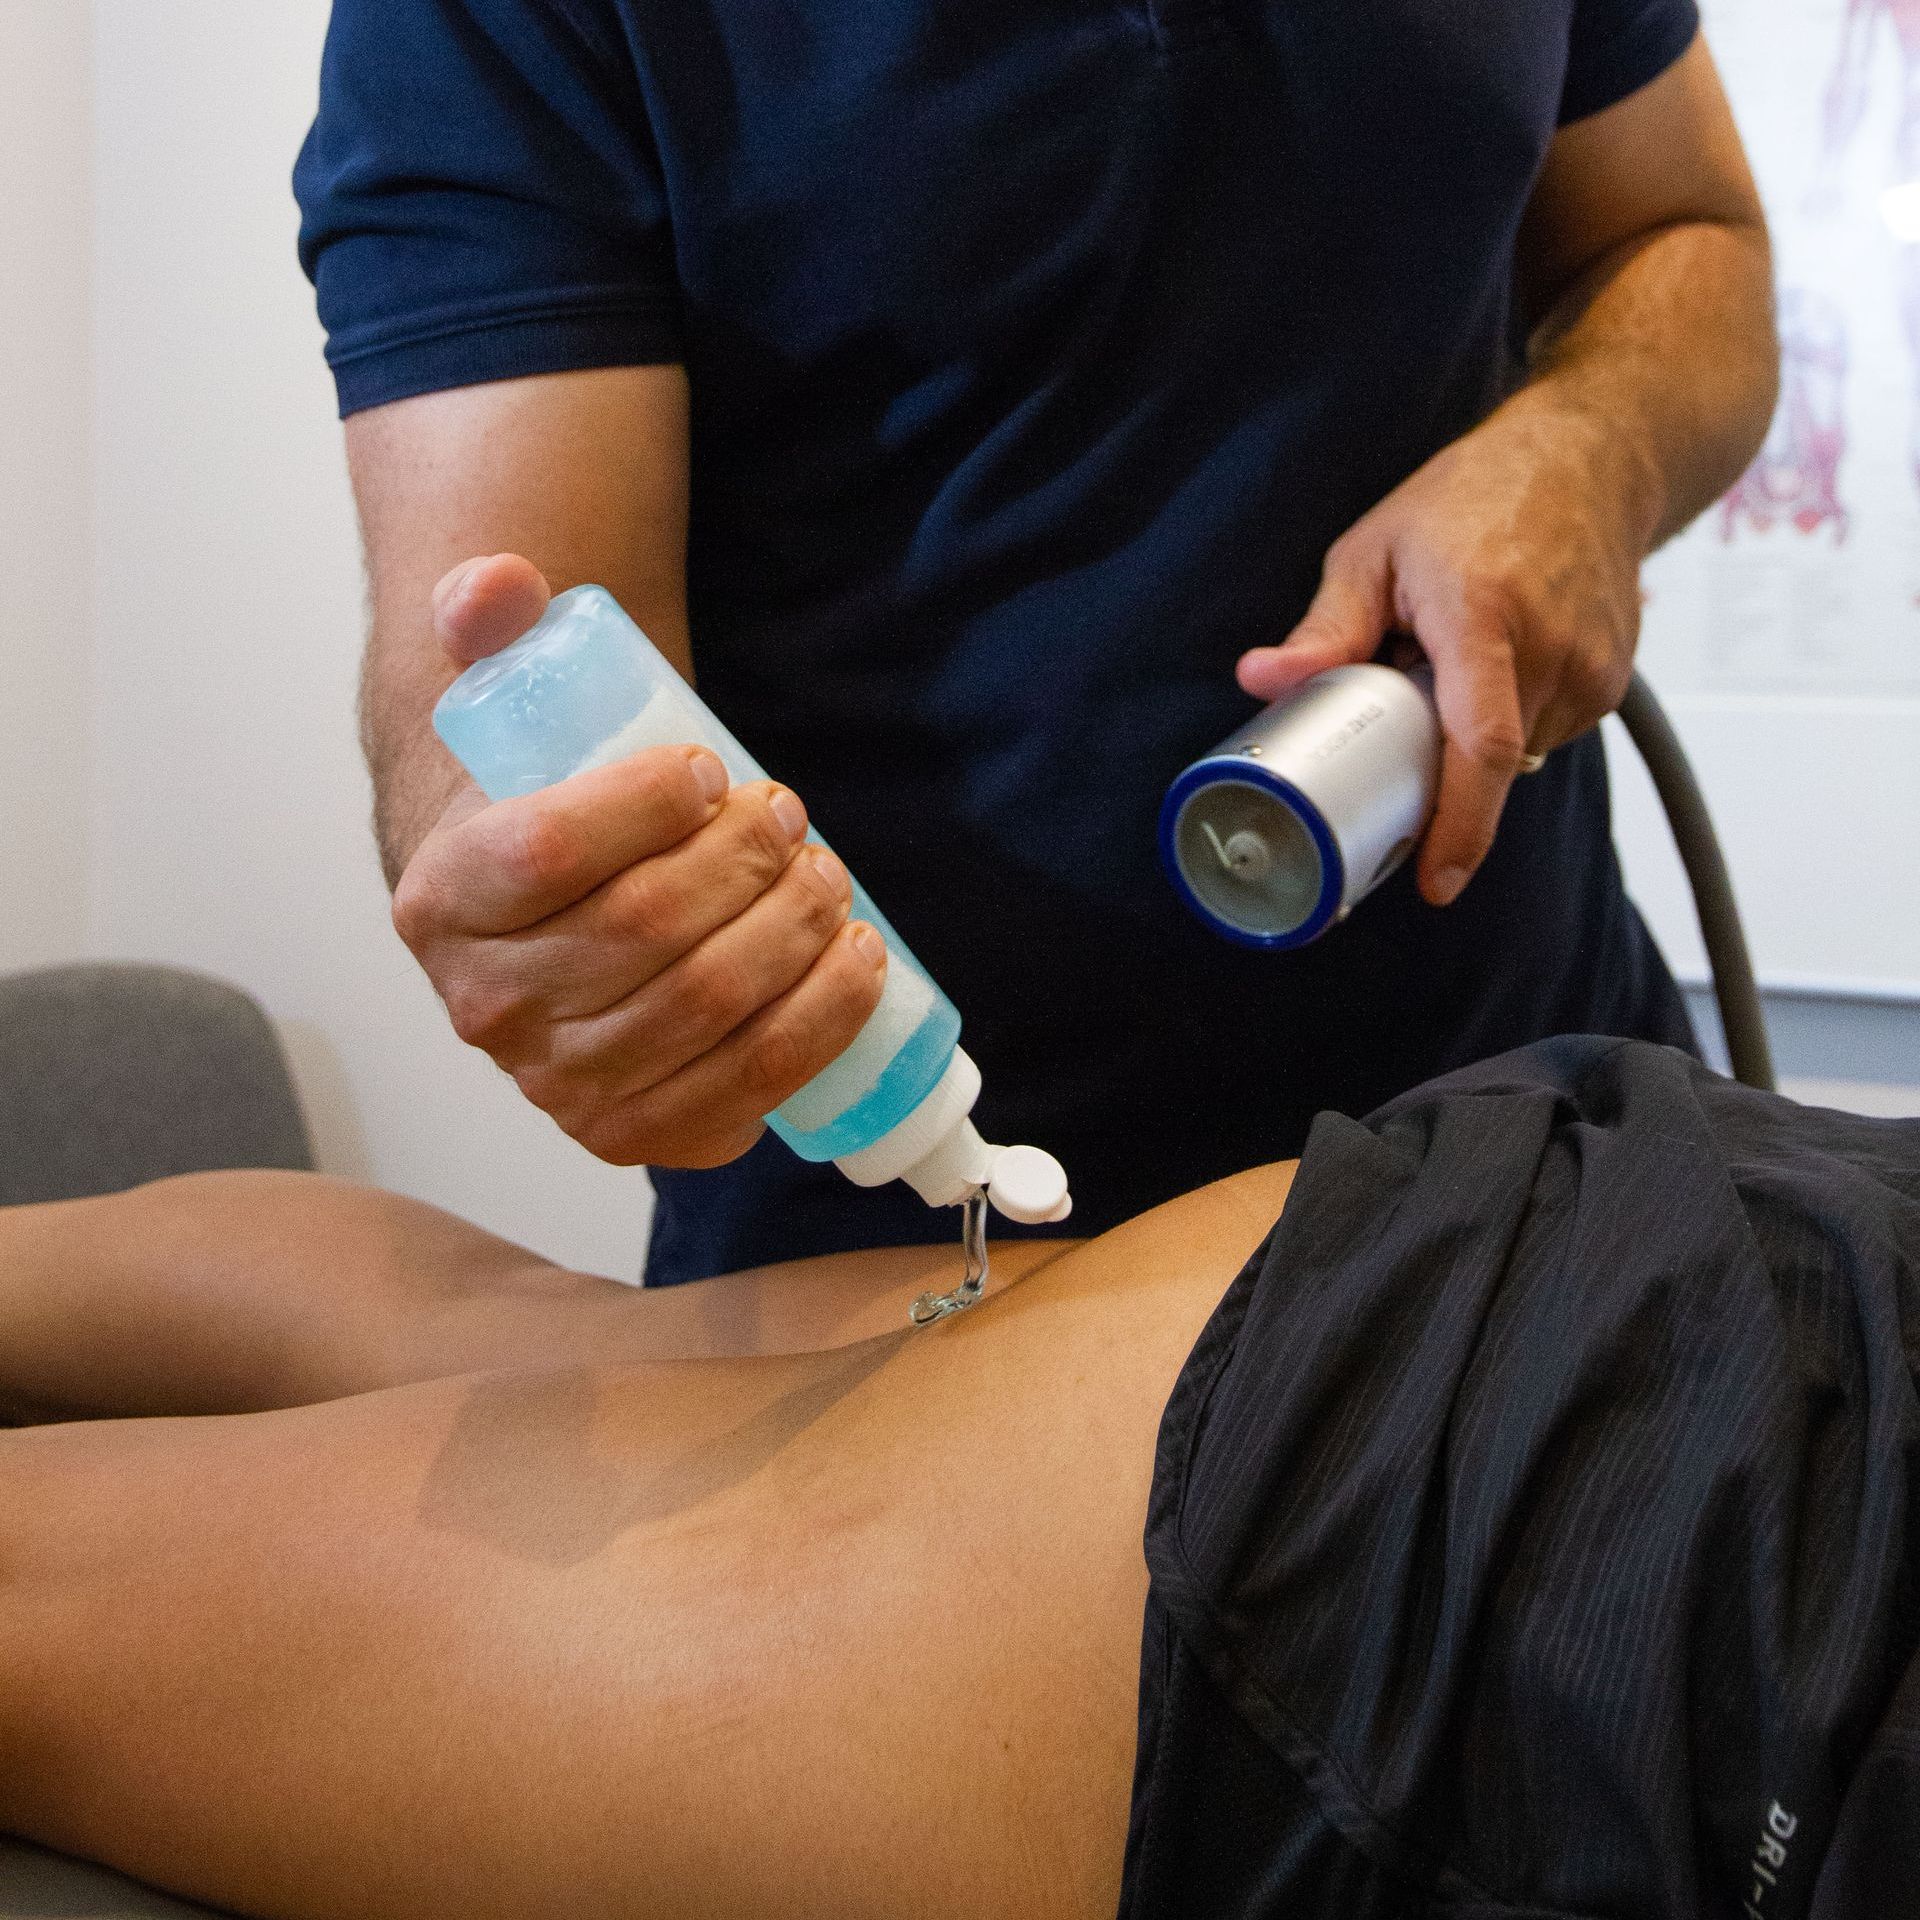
<point>656,959</point>
<point>1516,566</point>
<point>1514,554</point>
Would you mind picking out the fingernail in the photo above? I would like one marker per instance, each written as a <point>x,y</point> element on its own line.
<point>1449,883</point>
<point>453,585</point>
<point>832,869</point>
<point>710,771</point>
<point>872,948</point>
<point>790,813</point>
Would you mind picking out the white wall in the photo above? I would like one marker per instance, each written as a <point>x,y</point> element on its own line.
<point>1786,646</point>
<point>1784,636</point>
<point>1836,1042</point>
<point>45,623</point>
<point>230,806</point>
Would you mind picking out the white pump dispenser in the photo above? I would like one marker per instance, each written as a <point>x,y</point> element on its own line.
<point>938,1151</point>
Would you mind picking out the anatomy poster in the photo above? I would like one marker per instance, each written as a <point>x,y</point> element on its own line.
<point>1806,577</point>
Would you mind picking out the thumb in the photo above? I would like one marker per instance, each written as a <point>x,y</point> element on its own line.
<point>1346,622</point>
<point>487,604</point>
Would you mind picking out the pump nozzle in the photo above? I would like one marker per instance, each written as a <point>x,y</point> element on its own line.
<point>1029,1185</point>
<point>938,1151</point>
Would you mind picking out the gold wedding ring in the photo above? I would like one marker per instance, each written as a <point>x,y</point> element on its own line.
<point>1532,762</point>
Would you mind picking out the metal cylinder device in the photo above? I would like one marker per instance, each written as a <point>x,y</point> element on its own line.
<point>1288,824</point>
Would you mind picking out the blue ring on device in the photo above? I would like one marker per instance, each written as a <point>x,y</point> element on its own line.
<point>1250,773</point>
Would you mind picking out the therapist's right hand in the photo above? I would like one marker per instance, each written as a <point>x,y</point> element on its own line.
<point>657,959</point>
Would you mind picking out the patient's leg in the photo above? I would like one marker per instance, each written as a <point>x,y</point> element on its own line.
<point>850,1633</point>
<point>231,1292</point>
<point>237,1292</point>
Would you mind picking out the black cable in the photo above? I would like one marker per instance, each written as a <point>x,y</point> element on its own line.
<point>1726,941</point>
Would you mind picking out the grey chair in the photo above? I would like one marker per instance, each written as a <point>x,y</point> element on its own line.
<point>35,1885</point>
<point>110,1076</point>
<point>115,1074</point>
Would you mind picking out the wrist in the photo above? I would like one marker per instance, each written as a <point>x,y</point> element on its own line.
<point>414,780</point>
<point>1601,453</point>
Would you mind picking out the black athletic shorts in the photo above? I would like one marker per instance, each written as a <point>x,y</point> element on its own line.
<point>1536,1525</point>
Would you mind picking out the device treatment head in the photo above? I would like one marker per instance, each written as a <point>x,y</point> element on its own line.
<point>1286,825</point>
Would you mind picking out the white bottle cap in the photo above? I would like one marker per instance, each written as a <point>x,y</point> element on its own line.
<point>1029,1184</point>
<point>938,1151</point>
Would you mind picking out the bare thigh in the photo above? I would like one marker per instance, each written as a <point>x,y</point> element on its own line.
<point>848,1633</point>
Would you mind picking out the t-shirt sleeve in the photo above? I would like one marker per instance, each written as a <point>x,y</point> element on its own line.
<point>481,198</point>
<point>1617,46</point>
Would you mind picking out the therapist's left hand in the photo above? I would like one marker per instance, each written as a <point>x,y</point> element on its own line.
<point>1513,556</point>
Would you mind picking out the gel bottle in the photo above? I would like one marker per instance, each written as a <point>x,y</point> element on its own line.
<point>586,687</point>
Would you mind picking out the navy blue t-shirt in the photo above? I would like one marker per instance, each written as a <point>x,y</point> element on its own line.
<point>1038,351</point>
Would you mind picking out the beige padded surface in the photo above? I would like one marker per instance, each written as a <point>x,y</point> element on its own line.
<point>48,1886</point>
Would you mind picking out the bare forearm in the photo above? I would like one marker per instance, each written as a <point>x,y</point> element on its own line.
<point>584,473</point>
<point>1664,356</point>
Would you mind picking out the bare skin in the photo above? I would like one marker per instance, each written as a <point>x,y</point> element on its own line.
<point>1513,555</point>
<point>494,1589</point>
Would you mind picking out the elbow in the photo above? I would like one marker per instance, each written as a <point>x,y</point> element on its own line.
<point>1760,386</point>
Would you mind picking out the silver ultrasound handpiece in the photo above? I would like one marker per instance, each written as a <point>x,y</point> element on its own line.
<point>1288,824</point>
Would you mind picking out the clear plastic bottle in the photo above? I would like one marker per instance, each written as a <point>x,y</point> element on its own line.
<point>586,687</point>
